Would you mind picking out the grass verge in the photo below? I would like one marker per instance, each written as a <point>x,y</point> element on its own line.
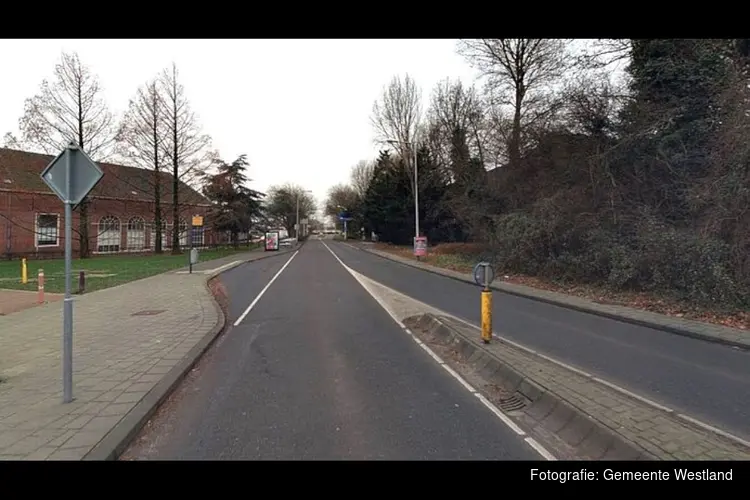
<point>462,257</point>
<point>102,271</point>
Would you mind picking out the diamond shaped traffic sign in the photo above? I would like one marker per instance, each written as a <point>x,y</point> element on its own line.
<point>72,187</point>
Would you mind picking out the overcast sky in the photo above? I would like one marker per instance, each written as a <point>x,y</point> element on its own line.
<point>299,109</point>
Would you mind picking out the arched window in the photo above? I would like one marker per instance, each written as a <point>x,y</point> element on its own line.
<point>183,233</point>
<point>164,237</point>
<point>108,235</point>
<point>135,237</point>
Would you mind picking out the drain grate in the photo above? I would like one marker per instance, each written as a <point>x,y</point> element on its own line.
<point>512,403</point>
<point>149,312</point>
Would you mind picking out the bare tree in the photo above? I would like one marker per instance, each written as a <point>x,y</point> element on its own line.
<point>518,70</point>
<point>281,204</point>
<point>70,108</point>
<point>11,141</point>
<point>184,143</point>
<point>361,176</point>
<point>140,140</point>
<point>396,115</point>
<point>456,110</point>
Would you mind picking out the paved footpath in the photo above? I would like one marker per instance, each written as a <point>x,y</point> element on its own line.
<point>126,339</point>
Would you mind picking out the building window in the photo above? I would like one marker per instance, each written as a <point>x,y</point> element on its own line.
<point>164,239</point>
<point>108,235</point>
<point>136,234</point>
<point>47,230</point>
<point>197,237</point>
<point>183,233</point>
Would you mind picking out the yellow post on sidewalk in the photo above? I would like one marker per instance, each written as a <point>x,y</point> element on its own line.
<point>24,272</point>
<point>484,274</point>
<point>486,315</point>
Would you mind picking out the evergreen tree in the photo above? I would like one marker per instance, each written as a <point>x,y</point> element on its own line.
<point>235,205</point>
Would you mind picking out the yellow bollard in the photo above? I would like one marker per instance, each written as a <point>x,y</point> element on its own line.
<point>24,272</point>
<point>486,315</point>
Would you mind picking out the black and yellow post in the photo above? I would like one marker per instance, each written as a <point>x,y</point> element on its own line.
<point>484,274</point>
<point>486,314</point>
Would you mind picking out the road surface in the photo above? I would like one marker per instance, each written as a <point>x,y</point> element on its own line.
<point>708,381</point>
<point>318,370</point>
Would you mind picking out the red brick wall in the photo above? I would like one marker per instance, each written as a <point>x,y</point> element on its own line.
<point>18,213</point>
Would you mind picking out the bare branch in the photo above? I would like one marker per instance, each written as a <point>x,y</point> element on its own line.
<point>69,108</point>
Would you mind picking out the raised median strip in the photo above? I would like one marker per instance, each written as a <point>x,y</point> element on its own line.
<point>695,329</point>
<point>133,343</point>
<point>573,414</point>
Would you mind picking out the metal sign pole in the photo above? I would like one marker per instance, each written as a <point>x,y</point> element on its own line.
<point>71,176</point>
<point>68,301</point>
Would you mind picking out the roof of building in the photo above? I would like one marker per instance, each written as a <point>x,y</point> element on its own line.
<point>21,171</point>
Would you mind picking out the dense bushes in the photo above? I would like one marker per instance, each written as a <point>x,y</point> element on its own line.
<point>655,257</point>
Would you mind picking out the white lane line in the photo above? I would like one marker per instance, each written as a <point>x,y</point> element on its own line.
<point>268,285</point>
<point>458,377</point>
<point>713,429</point>
<point>486,402</point>
<point>499,414</point>
<point>540,449</point>
<point>633,395</point>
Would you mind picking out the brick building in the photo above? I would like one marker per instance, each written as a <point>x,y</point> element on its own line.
<point>121,210</point>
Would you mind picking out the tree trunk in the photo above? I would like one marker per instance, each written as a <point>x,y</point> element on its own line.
<point>175,186</point>
<point>514,148</point>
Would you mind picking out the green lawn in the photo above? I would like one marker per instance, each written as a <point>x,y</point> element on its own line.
<point>101,272</point>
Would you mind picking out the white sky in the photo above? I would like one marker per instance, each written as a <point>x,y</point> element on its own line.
<point>300,109</point>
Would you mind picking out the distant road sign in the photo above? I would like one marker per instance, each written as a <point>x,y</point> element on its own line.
<point>344,216</point>
<point>84,175</point>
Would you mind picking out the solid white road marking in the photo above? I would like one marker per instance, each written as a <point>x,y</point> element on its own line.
<point>268,285</point>
<point>487,403</point>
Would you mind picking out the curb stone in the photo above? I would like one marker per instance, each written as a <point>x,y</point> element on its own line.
<point>555,415</point>
<point>717,334</point>
<point>121,435</point>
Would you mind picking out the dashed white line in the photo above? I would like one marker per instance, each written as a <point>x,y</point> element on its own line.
<point>486,402</point>
<point>268,285</point>
<point>633,395</point>
<point>713,429</point>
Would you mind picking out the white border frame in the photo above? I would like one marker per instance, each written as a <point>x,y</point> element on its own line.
<point>36,230</point>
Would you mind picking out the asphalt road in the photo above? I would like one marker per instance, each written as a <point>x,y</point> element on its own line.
<point>318,370</point>
<point>707,381</point>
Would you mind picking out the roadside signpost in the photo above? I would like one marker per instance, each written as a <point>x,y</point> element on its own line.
<point>420,246</point>
<point>344,217</point>
<point>71,176</point>
<point>271,241</point>
<point>484,274</point>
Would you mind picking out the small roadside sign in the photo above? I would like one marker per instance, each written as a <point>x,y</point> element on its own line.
<point>71,176</point>
<point>484,274</point>
<point>84,175</point>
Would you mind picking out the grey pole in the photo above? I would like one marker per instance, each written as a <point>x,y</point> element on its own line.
<point>296,231</point>
<point>68,301</point>
<point>416,191</point>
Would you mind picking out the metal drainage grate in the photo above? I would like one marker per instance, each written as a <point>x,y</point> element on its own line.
<point>149,312</point>
<point>512,403</point>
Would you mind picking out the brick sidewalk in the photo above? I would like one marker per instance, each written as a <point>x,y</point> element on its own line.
<point>680,326</point>
<point>126,339</point>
